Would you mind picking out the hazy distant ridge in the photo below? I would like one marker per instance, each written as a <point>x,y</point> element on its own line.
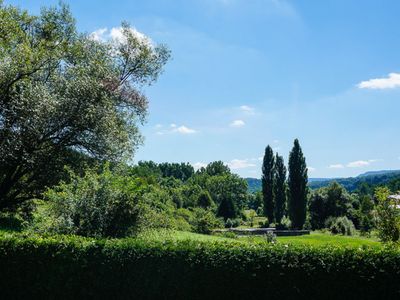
<point>350,183</point>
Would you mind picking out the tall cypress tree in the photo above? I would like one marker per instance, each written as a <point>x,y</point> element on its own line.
<point>280,188</point>
<point>268,183</point>
<point>297,182</point>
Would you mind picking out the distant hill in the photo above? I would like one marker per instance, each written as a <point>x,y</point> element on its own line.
<point>383,172</point>
<point>350,183</point>
<point>254,184</point>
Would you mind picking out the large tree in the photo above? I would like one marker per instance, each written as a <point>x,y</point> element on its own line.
<point>63,93</point>
<point>229,192</point>
<point>268,183</point>
<point>280,188</point>
<point>297,182</point>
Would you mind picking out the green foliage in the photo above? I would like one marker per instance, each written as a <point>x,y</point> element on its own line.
<point>181,171</point>
<point>232,223</point>
<point>205,200</point>
<point>204,221</point>
<point>102,204</point>
<point>229,192</point>
<point>270,237</point>
<point>268,170</point>
<point>340,225</point>
<point>168,267</point>
<point>285,224</point>
<point>388,216</point>
<point>10,222</point>
<point>216,168</point>
<point>297,183</point>
<point>331,201</point>
<point>255,201</point>
<point>63,93</point>
<point>366,208</point>
<point>280,188</point>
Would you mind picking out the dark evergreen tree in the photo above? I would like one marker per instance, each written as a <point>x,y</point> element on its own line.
<point>268,184</point>
<point>297,182</point>
<point>280,188</point>
<point>317,210</point>
<point>205,200</point>
<point>226,209</point>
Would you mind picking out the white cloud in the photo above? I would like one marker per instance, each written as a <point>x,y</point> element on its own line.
<point>199,165</point>
<point>375,160</point>
<point>391,82</point>
<point>173,128</point>
<point>358,164</point>
<point>355,164</point>
<point>116,34</point>
<point>184,130</point>
<point>247,109</point>
<point>311,169</point>
<point>336,166</point>
<point>98,35</point>
<point>236,164</point>
<point>237,123</point>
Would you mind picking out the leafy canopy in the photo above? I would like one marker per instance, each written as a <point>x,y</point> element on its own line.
<point>62,92</point>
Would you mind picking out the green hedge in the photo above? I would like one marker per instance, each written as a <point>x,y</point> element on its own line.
<point>72,267</point>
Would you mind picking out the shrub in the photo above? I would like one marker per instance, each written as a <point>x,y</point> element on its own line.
<point>63,267</point>
<point>232,223</point>
<point>340,225</point>
<point>264,224</point>
<point>228,223</point>
<point>285,224</point>
<point>104,204</point>
<point>270,237</point>
<point>388,221</point>
<point>204,221</point>
<point>205,200</point>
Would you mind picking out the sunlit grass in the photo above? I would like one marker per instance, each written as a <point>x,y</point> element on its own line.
<point>313,239</point>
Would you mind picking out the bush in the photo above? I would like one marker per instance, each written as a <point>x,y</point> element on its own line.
<point>340,225</point>
<point>204,221</point>
<point>285,224</point>
<point>388,221</point>
<point>232,223</point>
<point>270,237</point>
<point>34,267</point>
<point>104,204</point>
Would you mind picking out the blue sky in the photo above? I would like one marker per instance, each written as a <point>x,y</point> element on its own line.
<point>248,73</point>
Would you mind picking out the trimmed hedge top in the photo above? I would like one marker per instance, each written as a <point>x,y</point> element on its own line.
<point>72,267</point>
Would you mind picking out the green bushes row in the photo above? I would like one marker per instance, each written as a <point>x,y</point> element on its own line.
<point>76,267</point>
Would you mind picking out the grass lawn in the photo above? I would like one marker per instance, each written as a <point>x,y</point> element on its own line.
<point>313,239</point>
<point>319,238</point>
